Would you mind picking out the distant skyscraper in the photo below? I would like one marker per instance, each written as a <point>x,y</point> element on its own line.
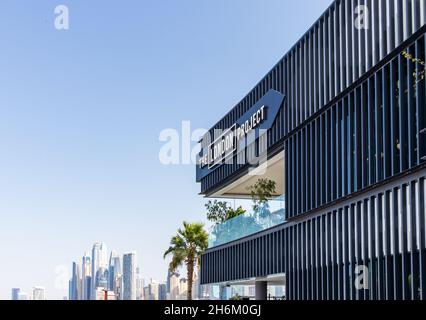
<point>174,286</point>
<point>196,287</point>
<point>146,294</point>
<point>86,277</point>
<point>129,276</point>
<point>118,286</point>
<point>162,291</point>
<point>183,288</point>
<point>114,269</point>
<point>39,293</point>
<point>169,274</point>
<point>87,288</point>
<point>99,260</point>
<point>101,279</point>
<point>154,290</point>
<point>74,283</point>
<point>15,293</point>
<point>139,286</point>
<point>22,296</point>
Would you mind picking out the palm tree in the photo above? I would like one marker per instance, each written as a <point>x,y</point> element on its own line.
<point>186,248</point>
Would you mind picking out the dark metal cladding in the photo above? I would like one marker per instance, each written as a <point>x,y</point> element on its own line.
<point>325,62</point>
<point>383,230</point>
<point>353,131</point>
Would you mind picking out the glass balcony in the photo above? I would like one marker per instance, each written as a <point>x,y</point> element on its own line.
<point>249,223</point>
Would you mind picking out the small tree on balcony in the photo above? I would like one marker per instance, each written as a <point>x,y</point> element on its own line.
<point>261,192</point>
<point>220,211</point>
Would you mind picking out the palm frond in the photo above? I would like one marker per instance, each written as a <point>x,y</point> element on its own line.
<point>187,245</point>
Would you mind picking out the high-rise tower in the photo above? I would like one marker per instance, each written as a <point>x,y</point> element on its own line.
<point>129,276</point>
<point>86,278</point>
<point>99,260</point>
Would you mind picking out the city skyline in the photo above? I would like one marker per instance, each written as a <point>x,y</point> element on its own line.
<point>119,279</point>
<point>172,287</point>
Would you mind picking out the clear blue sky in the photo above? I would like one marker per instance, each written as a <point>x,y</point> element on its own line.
<point>81,111</point>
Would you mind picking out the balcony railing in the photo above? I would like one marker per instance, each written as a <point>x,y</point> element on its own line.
<point>248,223</point>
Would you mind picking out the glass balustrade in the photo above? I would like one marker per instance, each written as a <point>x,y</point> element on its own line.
<point>249,223</point>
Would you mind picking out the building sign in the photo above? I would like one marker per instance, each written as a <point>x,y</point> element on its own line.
<point>228,141</point>
<point>226,144</point>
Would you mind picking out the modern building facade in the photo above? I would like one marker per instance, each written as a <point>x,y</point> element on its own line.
<point>140,284</point>
<point>23,296</point>
<point>114,269</point>
<point>162,291</point>
<point>101,279</point>
<point>99,261</point>
<point>339,124</point>
<point>39,293</point>
<point>129,276</point>
<point>86,277</point>
<point>173,281</point>
<point>15,293</point>
<point>183,289</point>
<point>74,288</point>
<point>153,290</point>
